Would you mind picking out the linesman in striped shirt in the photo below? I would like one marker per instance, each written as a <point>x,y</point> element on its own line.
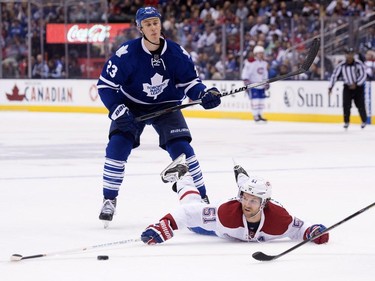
<point>353,73</point>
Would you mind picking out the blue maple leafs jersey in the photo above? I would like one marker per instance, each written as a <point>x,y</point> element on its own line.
<point>144,82</point>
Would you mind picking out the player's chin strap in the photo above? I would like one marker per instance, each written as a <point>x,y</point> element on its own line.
<point>144,36</point>
<point>261,207</point>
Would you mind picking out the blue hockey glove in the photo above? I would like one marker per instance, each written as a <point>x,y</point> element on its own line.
<point>211,98</point>
<point>314,230</point>
<point>157,233</point>
<point>123,117</point>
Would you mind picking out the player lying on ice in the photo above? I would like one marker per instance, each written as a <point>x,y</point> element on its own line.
<point>251,216</point>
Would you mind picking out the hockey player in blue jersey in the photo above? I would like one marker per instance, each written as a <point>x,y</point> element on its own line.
<point>146,75</point>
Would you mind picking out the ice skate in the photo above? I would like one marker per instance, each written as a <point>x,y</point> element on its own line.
<point>205,200</point>
<point>346,126</point>
<point>176,170</point>
<point>107,211</point>
<point>260,118</point>
<point>238,170</point>
<point>363,125</point>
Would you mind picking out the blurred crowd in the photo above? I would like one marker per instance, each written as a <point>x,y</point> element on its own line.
<point>209,30</point>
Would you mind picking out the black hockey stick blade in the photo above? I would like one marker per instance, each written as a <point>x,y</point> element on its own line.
<point>313,51</point>
<point>260,256</point>
<point>263,257</point>
<point>17,257</point>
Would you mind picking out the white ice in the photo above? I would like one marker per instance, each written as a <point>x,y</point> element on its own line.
<point>50,196</point>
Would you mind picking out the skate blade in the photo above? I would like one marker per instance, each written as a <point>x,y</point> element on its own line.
<point>179,160</point>
<point>106,224</point>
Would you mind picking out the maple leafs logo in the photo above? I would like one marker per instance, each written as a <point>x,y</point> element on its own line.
<point>122,51</point>
<point>15,96</point>
<point>157,86</point>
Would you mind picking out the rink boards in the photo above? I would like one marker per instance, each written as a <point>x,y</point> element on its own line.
<point>298,101</point>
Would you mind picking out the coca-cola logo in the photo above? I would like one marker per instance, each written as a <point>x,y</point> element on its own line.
<point>95,33</point>
<point>80,33</point>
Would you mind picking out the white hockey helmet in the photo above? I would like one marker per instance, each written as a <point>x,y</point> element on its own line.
<point>258,49</point>
<point>253,185</point>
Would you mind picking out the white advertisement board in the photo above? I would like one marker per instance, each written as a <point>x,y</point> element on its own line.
<point>288,100</point>
<point>57,93</point>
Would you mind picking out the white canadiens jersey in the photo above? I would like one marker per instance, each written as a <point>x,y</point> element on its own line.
<point>255,71</point>
<point>228,221</point>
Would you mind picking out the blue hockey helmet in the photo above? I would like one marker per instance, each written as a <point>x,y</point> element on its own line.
<point>145,13</point>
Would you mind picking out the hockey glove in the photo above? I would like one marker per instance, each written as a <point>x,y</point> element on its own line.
<point>314,230</point>
<point>157,233</point>
<point>123,117</point>
<point>211,98</point>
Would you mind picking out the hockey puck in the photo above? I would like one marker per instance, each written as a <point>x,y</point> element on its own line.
<point>102,258</point>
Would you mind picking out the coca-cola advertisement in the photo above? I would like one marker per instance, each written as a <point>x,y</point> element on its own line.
<point>83,33</point>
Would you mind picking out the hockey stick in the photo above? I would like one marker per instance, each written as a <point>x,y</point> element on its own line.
<point>313,51</point>
<point>17,257</point>
<point>263,257</point>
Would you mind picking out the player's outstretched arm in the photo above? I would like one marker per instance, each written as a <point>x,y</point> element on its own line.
<point>159,232</point>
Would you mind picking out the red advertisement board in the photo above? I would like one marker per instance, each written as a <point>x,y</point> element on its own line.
<point>82,33</point>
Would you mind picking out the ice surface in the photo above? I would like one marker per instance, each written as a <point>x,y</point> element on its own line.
<point>50,196</point>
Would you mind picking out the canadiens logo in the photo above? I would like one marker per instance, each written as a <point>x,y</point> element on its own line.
<point>297,223</point>
<point>157,86</point>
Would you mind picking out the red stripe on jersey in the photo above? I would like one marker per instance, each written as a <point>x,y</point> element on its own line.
<point>189,192</point>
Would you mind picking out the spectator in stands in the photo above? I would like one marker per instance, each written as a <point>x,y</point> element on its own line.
<point>259,27</point>
<point>284,12</point>
<point>242,11</point>
<point>16,29</point>
<point>207,39</point>
<point>74,69</point>
<point>55,68</point>
<point>40,68</point>
<point>208,12</point>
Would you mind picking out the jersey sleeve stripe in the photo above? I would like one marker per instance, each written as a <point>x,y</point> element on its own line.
<point>109,83</point>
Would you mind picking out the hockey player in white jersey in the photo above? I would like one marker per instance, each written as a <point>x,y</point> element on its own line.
<point>251,216</point>
<point>254,72</point>
<point>146,75</point>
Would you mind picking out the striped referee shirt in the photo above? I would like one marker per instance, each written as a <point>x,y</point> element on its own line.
<point>354,73</point>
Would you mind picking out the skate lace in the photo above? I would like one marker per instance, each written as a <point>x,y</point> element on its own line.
<point>108,207</point>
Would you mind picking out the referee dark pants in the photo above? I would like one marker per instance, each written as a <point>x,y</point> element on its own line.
<point>358,95</point>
